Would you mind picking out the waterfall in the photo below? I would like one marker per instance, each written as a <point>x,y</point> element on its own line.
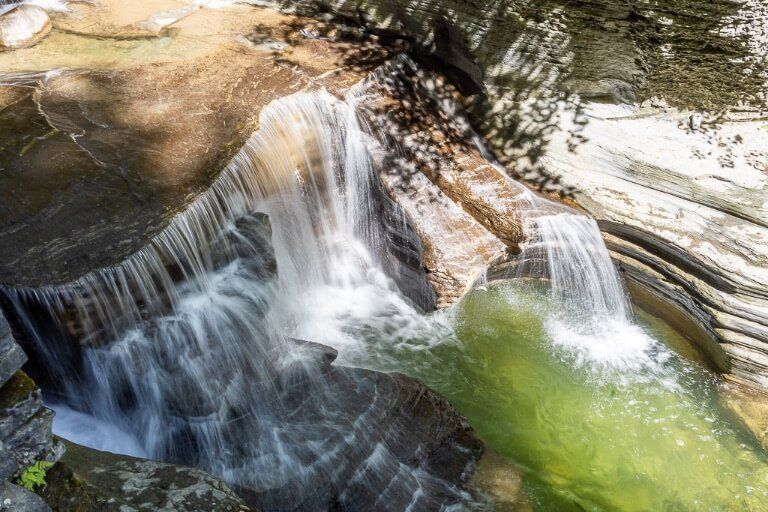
<point>592,317</point>
<point>184,347</point>
<point>581,273</point>
<point>562,244</point>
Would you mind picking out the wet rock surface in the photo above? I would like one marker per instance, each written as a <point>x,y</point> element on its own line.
<point>91,480</point>
<point>389,442</point>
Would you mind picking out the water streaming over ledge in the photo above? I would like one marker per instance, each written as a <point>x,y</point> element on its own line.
<point>184,345</point>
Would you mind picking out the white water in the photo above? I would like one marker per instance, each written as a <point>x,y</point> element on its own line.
<point>48,5</point>
<point>192,363</point>
<point>185,346</point>
<point>593,320</point>
<point>87,430</point>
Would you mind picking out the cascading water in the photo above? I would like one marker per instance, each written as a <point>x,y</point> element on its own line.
<point>598,412</point>
<point>184,345</point>
<point>184,349</point>
<point>594,320</point>
<point>582,275</point>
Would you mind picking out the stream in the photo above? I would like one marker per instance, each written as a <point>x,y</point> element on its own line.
<point>591,402</point>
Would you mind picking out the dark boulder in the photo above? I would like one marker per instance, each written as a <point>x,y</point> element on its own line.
<point>91,480</point>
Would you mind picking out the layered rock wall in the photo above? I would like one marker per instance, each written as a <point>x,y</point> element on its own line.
<point>684,214</point>
<point>25,425</point>
<point>679,195</point>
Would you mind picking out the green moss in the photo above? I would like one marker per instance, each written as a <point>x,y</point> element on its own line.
<point>16,389</point>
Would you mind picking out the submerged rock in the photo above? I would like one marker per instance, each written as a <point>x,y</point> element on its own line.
<point>750,405</point>
<point>23,26</point>
<point>91,480</point>
<point>502,482</point>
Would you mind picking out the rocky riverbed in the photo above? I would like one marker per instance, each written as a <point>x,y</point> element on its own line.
<point>117,119</point>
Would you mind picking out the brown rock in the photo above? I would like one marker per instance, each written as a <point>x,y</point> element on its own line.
<point>96,162</point>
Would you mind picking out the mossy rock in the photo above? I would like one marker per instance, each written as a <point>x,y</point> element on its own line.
<point>88,480</point>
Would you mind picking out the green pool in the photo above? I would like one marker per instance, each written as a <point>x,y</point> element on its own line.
<point>597,417</point>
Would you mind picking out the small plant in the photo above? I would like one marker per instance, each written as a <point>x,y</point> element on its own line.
<point>33,475</point>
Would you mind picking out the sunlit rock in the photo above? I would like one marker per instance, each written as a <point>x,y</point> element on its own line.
<point>114,150</point>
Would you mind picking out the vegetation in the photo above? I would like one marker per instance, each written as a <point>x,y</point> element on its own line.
<point>33,476</point>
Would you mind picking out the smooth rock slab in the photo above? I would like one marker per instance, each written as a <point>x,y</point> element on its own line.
<point>93,163</point>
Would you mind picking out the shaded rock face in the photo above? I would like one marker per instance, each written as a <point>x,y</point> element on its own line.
<point>25,425</point>
<point>96,162</point>
<point>11,356</point>
<point>600,49</point>
<point>91,480</point>
<point>23,26</point>
<point>18,499</point>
